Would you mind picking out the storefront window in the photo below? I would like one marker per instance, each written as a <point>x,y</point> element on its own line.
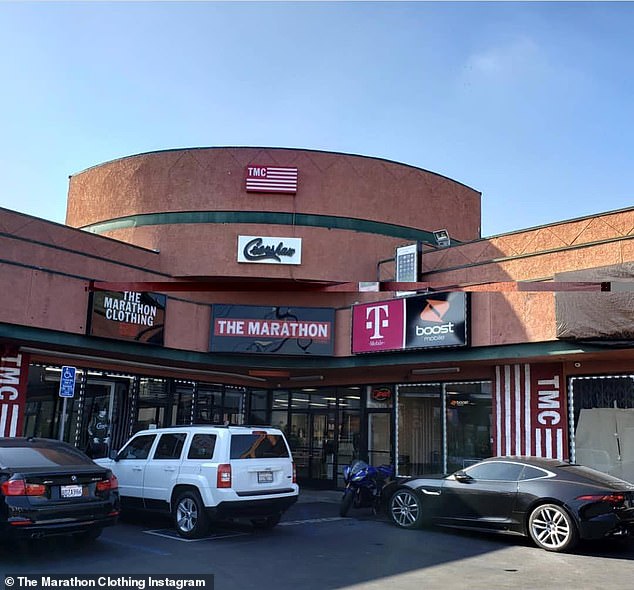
<point>40,417</point>
<point>258,413</point>
<point>182,405</point>
<point>603,409</point>
<point>300,400</point>
<point>208,408</point>
<point>324,400</point>
<point>234,405</point>
<point>380,397</point>
<point>468,417</point>
<point>349,397</point>
<point>420,424</point>
<point>379,438</point>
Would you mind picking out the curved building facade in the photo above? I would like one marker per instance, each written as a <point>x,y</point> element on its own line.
<point>256,285</point>
<point>193,204</point>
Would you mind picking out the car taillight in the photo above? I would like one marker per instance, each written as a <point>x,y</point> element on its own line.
<point>223,479</point>
<point>112,483</point>
<point>294,474</point>
<point>18,487</point>
<point>614,499</point>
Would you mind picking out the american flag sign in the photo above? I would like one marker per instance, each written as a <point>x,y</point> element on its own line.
<point>271,179</point>
<point>531,410</point>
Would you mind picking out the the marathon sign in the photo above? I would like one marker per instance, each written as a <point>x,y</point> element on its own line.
<point>427,321</point>
<point>272,330</point>
<point>128,315</point>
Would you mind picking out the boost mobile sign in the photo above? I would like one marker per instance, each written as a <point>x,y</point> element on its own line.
<point>426,321</point>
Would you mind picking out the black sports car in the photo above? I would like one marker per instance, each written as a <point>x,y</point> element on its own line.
<point>552,502</point>
<point>48,487</point>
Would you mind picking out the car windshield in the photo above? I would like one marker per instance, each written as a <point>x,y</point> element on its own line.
<point>44,456</point>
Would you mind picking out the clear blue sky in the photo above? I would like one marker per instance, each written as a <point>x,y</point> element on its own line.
<point>530,103</point>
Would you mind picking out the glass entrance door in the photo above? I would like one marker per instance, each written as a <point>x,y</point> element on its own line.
<point>312,440</point>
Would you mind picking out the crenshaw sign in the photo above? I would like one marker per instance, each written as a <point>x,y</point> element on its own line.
<point>269,250</point>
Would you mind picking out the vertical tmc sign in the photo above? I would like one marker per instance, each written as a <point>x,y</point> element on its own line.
<point>14,368</point>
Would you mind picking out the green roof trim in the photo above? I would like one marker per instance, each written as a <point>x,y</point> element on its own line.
<point>264,218</point>
<point>64,342</point>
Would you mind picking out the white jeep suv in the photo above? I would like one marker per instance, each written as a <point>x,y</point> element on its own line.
<point>204,473</point>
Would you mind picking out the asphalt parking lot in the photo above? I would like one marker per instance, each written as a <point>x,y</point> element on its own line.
<point>313,548</point>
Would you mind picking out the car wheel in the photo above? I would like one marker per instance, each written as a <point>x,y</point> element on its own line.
<point>552,528</point>
<point>88,536</point>
<point>190,518</point>
<point>406,509</point>
<point>266,523</point>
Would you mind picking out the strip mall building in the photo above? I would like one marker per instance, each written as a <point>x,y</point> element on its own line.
<point>239,285</point>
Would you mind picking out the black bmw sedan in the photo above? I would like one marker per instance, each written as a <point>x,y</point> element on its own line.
<point>48,487</point>
<point>552,502</point>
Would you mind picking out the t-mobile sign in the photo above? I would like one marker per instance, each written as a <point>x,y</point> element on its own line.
<point>378,326</point>
<point>426,321</point>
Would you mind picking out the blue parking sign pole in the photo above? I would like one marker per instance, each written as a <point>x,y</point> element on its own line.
<point>66,390</point>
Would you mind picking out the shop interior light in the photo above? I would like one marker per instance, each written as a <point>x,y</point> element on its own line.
<point>435,370</point>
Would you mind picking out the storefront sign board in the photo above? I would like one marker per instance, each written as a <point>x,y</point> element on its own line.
<point>426,321</point>
<point>128,315</point>
<point>272,330</point>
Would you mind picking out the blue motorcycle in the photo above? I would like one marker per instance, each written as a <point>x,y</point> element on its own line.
<point>363,486</point>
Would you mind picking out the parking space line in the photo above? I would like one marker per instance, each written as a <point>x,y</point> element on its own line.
<point>169,534</point>
<point>135,547</point>
<point>312,520</point>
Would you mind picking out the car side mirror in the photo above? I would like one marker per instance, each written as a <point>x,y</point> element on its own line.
<point>114,455</point>
<point>462,477</point>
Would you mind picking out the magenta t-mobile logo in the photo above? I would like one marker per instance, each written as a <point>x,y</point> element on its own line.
<point>378,326</point>
<point>377,317</point>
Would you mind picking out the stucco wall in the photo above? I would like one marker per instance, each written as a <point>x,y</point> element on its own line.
<point>205,179</point>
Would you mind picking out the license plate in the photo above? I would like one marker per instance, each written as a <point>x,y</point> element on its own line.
<point>72,491</point>
<point>265,477</point>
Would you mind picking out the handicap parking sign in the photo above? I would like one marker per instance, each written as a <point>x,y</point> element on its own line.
<point>67,382</point>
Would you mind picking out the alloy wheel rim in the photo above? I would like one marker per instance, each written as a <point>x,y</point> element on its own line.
<point>551,527</point>
<point>405,509</point>
<point>186,515</point>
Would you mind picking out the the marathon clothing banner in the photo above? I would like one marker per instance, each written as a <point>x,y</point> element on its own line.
<point>14,370</point>
<point>425,321</point>
<point>272,330</point>
<point>128,315</point>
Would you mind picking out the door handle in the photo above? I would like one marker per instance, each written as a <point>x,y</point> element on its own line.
<point>137,469</point>
<point>169,468</point>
